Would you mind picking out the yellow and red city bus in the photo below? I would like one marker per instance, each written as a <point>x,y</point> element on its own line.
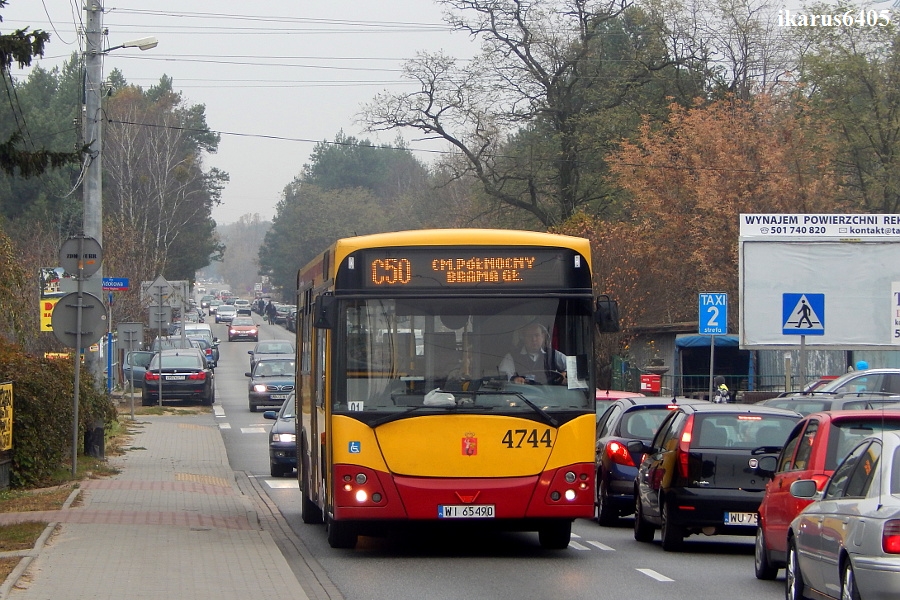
<point>404,411</point>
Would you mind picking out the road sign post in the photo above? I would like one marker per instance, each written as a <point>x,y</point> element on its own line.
<point>80,255</point>
<point>713,321</point>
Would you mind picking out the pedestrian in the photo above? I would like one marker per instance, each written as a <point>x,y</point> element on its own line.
<point>722,395</point>
<point>271,312</point>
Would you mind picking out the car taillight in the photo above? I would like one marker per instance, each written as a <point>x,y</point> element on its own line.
<point>890,537</point>
<point>209,351</point>
<point>618,453</point>
<point>684,446</point>
<point>148,376</point>
<point>197,376</point>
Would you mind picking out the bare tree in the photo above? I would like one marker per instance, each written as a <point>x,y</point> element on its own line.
<point>523,113</point>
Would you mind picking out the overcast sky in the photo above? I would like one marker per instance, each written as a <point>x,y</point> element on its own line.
<point>275,76</point>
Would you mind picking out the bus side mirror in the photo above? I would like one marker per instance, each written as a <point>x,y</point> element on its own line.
<point>326,312</point>
<point>607,315</point>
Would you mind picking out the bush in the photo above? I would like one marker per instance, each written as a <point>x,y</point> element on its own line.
<point>43,399</point>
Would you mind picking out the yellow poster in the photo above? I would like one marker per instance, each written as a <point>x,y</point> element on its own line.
<point>47,313</point>
<point>6,416</point>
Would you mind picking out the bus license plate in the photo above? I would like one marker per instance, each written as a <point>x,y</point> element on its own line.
<point>465,511</point>
<point>174,377</point>
<point>740,518</point>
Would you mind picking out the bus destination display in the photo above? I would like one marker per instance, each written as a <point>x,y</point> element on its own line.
<point>528,267</point>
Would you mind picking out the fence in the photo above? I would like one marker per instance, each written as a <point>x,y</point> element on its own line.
<point>697,385</point>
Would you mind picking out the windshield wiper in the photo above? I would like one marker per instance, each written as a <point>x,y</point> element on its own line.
<point>548,418</point>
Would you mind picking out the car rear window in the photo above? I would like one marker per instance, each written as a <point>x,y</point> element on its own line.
<point>177,362</point>
<point>804,407</point>
<point>642,423</point>
<point>741,431</point>
<point>274,349</point>
<point>845,434</point>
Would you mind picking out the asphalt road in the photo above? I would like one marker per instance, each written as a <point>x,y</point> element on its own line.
<point>600,563</point>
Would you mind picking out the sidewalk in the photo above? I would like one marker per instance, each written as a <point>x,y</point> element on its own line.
<point>173,523</point>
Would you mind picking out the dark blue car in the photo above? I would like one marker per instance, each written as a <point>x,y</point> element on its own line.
<point>282,439</point>
<point>624,420</point>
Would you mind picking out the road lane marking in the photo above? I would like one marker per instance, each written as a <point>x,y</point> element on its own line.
<point>224,425</point>
<point>283,484</point>
<point>253,430</point>
<point>600,546</point>
<point>218,410</point>
<point>655,575</point>
<point>577,546</point>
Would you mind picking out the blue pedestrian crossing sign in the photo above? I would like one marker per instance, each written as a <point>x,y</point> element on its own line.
<point>803,314</point>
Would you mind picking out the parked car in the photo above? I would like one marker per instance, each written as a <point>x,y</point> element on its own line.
<point>169,342</point>
<point>243,328</point>
<point>882,381</point>
<point>225,313</point>
<point>290,322</point>
<point>271,381</point>
<point>185,375</point>
<point>813,450</point>
<point>701,473</point>
<point>624,420</point>
<point>207,350</point>
<point>194,330</point>
<point>808,404</point>
<point>281,313</point>
<point>846,544</point>
<point>282,439</point>
<point>134,365</point>
<point>270,349</point>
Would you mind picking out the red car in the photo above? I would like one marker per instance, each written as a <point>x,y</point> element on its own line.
<point>814,449</point>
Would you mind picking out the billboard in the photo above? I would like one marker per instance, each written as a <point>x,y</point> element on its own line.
<point>832,281</point>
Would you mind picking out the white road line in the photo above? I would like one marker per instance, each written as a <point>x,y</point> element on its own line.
<point>224,425</point>
<point>253,430</point>
<point>218,410</point>
<point>600,546</point>
<point>654,575</point>
<point>283,484</point>
<point>577,546</point>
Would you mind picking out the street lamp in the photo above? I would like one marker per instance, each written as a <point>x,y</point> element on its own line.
<point>93,138</point>
<point>143,44</point>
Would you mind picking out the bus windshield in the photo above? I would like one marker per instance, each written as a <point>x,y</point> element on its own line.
<point>440,355</point>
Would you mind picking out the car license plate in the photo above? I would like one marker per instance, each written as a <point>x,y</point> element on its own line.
<point>174,377</point>
<point>466,511</point>
<point>278,396</point>
<point>740,518</point>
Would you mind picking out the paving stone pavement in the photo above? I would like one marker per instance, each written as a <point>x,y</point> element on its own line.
<point>172,524</point>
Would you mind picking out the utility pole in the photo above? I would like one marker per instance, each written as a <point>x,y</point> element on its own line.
<point>93,190</point>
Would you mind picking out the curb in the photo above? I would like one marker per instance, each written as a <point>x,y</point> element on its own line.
<point>29,555</point>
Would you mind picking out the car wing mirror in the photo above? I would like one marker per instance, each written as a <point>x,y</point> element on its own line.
<point>637,447</point>
<point>766,466</point>
<point>248,374</point>
<point>804,489</point>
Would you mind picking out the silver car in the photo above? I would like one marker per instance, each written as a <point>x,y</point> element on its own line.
<point>846,544</point>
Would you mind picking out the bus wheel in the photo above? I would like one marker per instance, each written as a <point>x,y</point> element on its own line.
<point>341,534</point>
<point>555,535</point>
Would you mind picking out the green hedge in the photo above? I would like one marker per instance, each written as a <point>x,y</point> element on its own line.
<point>43,400</point>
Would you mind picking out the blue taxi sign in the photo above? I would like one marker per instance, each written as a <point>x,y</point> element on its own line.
<point>713,314</point>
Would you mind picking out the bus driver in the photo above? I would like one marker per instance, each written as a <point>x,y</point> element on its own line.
<point>534,361</point>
